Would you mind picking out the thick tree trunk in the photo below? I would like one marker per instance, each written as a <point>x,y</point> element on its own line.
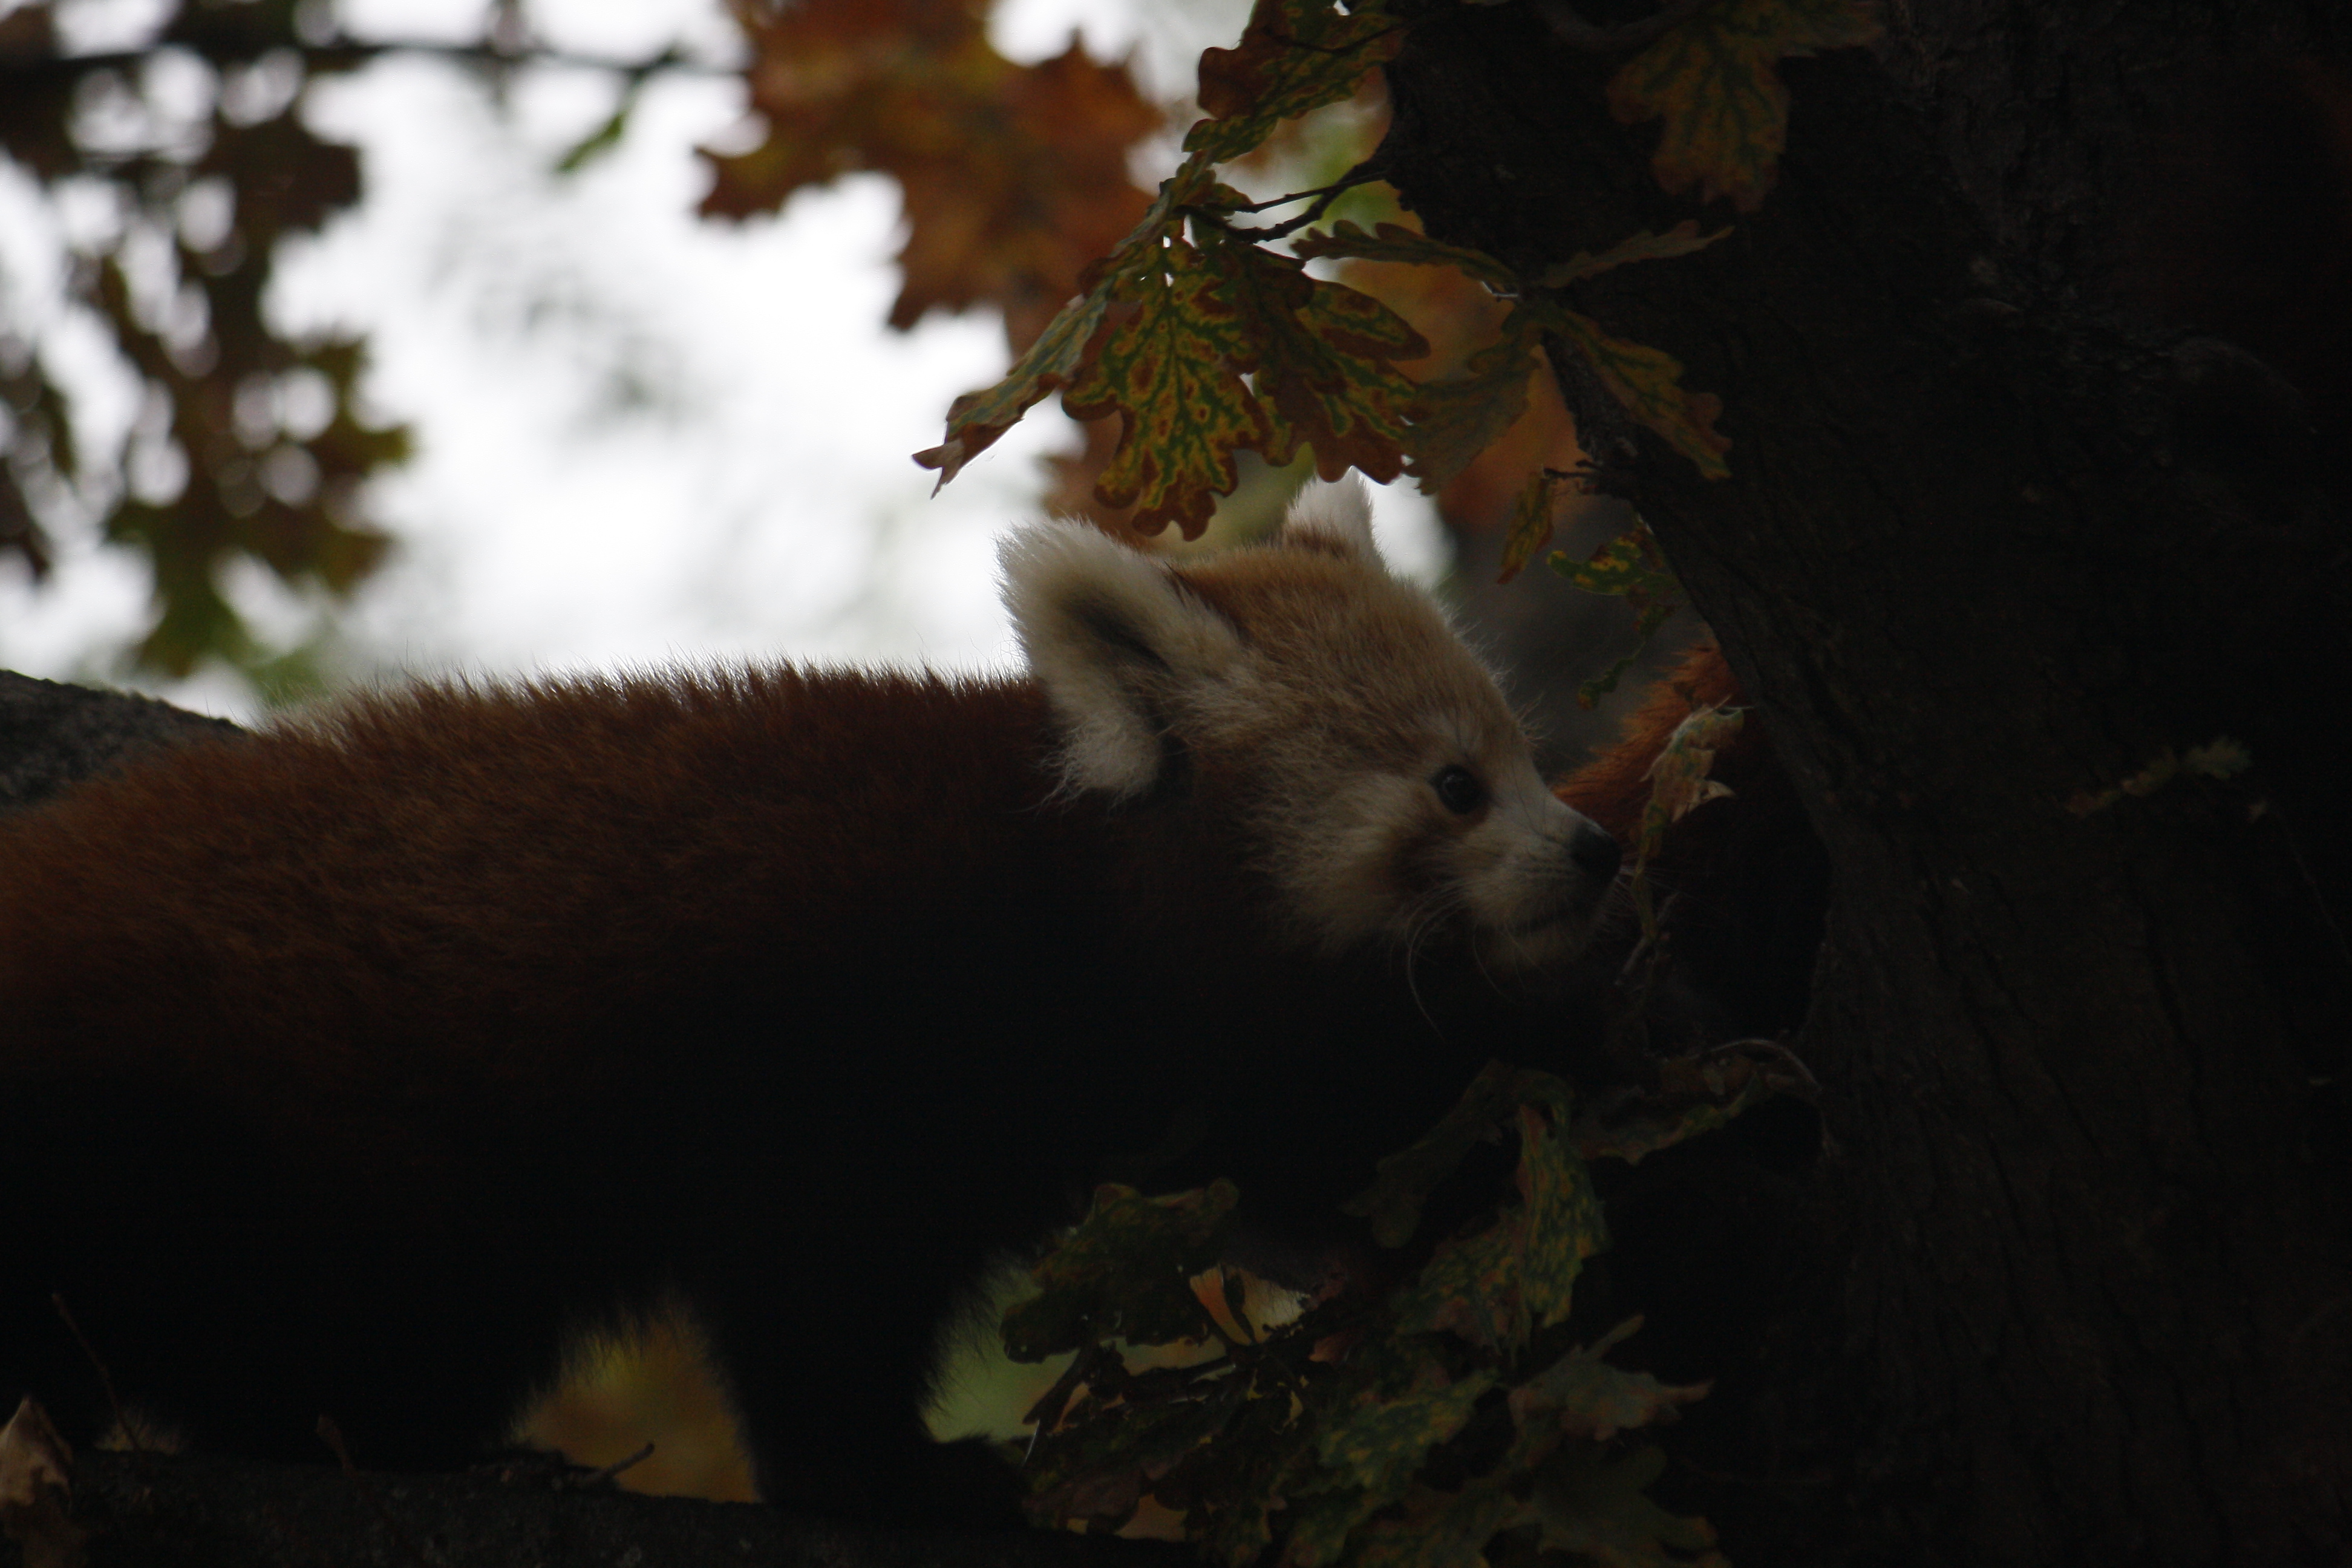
<point>1998,533</point>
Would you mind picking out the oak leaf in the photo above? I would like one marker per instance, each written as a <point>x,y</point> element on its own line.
<point>1713,78</point>
<point>1014,178</point>
<point>1294,55</point>
<point>1172,371</point>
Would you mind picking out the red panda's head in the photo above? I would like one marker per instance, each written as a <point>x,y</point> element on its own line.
<point>1374,770</point>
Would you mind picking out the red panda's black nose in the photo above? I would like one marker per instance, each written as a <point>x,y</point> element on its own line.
<point>1594,853</point>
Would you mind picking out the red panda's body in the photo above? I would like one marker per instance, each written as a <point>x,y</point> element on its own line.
<point>343,1069</point>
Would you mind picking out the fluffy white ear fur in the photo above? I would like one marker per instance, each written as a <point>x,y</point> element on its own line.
<point>1106,631</point>
<point>1341,511</point>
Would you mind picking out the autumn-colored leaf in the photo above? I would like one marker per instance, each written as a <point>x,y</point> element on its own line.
<point>1294,55</point>
<point>1695,1094</point>
<point>1014,178</point>
<point>1462,415</point>
<point>1714,80</point>
<point>1319,1530</point>
<point>1646,380</point>
<point>1172,373</point>
<point>2219,758</point>
<point>1442,1529</point>
<point>1322,365</point>
<point>1680,240</point>
<point>976,418</point>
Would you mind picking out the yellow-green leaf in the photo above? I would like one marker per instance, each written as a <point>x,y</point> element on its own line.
<point>1564,1225</point>
<point>1172,373</point>
<point>1714,80</point>
<point>1294,55</point>
<point>1473,1287</point>
<point>1377,1444</point>
<point>1530,527</point>
<point>1628,567</point>
<point>976,418</point>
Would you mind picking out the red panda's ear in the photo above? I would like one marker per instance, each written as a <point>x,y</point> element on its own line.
<point>1328,515</point>
<point>1117,642</point>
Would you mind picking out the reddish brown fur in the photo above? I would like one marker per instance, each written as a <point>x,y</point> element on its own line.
<point>1614,786</point>
<point>1744,881</point>
<point>343,1067</point>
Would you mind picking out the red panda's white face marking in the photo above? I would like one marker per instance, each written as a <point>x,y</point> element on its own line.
<point>1381,782</point>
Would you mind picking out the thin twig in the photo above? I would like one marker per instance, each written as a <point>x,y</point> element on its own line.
<point>598,1478</point>
<point>333,1435</point>
<point>122,1421</point>
<point>1362,174</point>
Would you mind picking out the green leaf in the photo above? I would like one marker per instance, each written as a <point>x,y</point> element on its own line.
<point>1294,55</point>
<point>1713,79</point>
<point>608,135</point>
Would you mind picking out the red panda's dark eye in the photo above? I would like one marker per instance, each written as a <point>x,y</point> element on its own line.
<point>1458,789</point>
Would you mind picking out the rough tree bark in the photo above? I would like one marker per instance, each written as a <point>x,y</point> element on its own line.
<point>2002,528</point>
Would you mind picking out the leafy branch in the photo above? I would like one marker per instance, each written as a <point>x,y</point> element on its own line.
<point>1455,1418</point>
<point>1206,343</point>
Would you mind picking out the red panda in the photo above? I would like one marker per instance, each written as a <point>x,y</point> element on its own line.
<point>345,1068</point>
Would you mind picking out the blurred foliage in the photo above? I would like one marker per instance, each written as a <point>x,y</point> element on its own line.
<point>173,169</point>
<point>184,163</point>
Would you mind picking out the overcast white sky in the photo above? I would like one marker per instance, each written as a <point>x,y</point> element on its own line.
<point>641,438</point>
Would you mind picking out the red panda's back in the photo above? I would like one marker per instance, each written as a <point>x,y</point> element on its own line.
<point>477,876</point>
